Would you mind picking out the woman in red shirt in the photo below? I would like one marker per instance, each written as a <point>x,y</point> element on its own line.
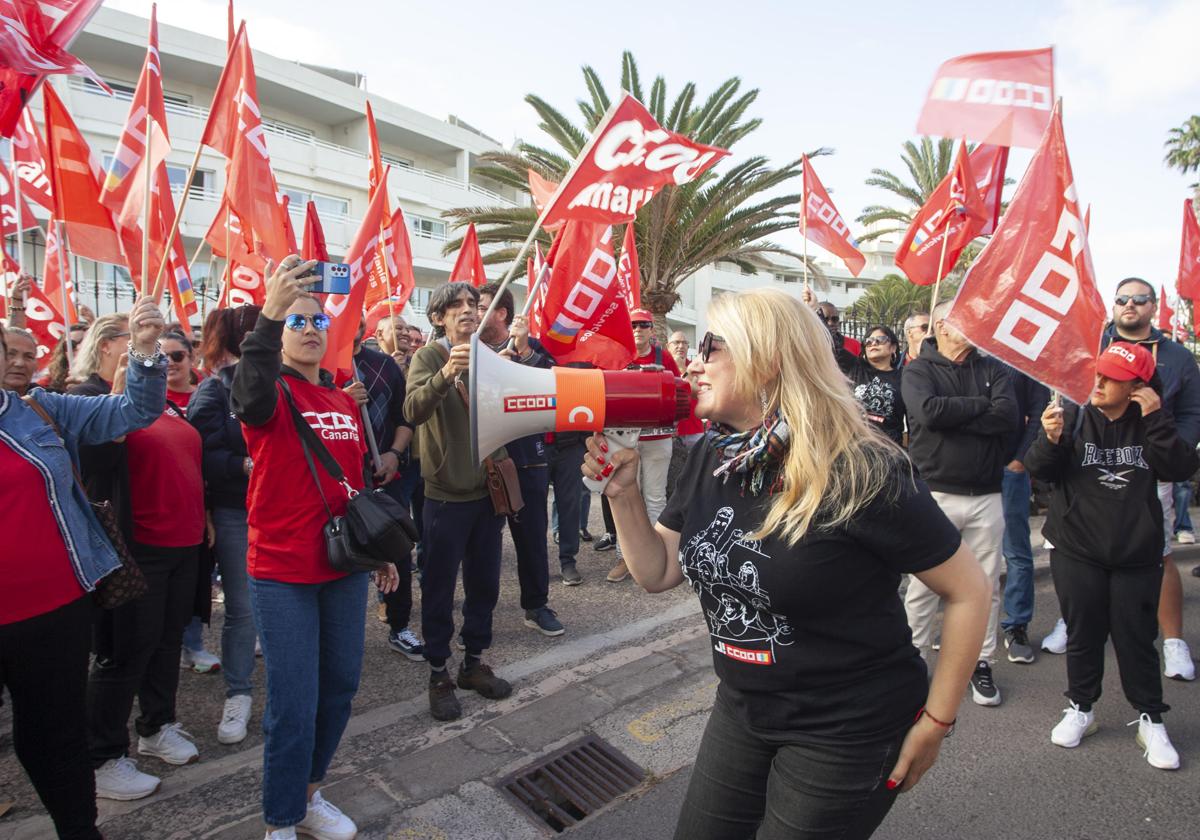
<point>310,618</point>
<point>180,375</point>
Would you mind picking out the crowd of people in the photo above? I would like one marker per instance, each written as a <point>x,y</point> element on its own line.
<point>827,499</point>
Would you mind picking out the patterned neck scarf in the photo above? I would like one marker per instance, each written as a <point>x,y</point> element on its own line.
<point>751,454</point>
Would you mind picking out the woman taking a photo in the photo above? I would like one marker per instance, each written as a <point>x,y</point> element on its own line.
<point>793,522</point>
<point>45,602</point>
<point>310,618</point>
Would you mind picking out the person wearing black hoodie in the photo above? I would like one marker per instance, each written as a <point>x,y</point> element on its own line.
<point>962,416</point>
<point>1106,524</point>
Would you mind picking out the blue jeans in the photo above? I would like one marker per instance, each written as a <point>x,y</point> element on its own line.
<point>312,641</point>
<point>1183,497</point>
<point>1018,553</point>
<point>237,635</point>
<point>565,460</point>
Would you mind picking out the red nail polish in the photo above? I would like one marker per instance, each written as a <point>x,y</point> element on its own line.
<point>607,471</point>
<point>600,459</point>
<point>892,784</point>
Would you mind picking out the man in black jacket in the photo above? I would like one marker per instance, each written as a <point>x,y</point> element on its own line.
<point>962,415</point>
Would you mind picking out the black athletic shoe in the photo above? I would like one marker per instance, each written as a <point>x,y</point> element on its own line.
<point>1016,640</point>
<point>606,543</point>
<point>983,687</point>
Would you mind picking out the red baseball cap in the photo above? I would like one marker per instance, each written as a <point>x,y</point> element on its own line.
<point>641,315</point>
<point>1123,361</point>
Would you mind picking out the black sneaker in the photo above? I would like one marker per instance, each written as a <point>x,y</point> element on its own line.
<point>483,680</point>
<point>983,687</point>
<point>1016,640</point>
<point>443,703</point>
<point>570,575</point>
<point>406,642</point>
<point>585,535</point>
<point>544,621</point>
<point>606,543</point>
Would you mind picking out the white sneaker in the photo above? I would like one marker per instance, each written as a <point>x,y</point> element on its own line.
<point>1152,737</point>
<point>200,661</point>
<point>1186,538</point>
<point>235,717</point>
<point>172,744</point>
<point>288,833</point>
<point>1178,660</point>
<point>325,822</point>
<point>1046,544</point>
<point>1056,642</point>
<point>119,778</point>
<point>1074,726</point>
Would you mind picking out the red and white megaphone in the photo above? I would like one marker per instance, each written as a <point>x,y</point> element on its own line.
<point>510,401</point>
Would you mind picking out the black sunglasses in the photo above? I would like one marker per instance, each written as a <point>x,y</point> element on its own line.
<point>296,321</point>
<point>873,340</point>
<point>176,356</point>
<point>829,319</point>
<point>643,325</point>
<point>704,350</point>
<point>1138,300</point>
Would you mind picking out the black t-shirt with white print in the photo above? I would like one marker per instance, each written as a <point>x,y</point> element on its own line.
<point>809,639</point>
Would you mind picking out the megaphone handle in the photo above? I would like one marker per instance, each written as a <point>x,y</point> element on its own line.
<point>618,439</point>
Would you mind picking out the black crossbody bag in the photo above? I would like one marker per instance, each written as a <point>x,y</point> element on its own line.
<point>375,530</point>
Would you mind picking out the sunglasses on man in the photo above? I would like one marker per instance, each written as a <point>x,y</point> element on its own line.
<point>297,322</point>
<point>643,325</point>
<point>707,345</point>
<point>1138,300</point>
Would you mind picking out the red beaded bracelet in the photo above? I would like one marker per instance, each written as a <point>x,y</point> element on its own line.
<point>940,723</point>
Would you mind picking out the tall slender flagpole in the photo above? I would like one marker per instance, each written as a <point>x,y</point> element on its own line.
<point>804,217</point>
<point>62,282</point>
<point>937,284</point>
<point>146,213</point>
<point>187,191</point>
<point>17,203</point>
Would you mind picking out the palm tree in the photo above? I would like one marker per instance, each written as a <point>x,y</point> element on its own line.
<point>893,299</point>
<point>1183,148</point>
<point>717,217</point>
<point>928,163</point>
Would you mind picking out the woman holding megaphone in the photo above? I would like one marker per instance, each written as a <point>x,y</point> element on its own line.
<point>793,522</point>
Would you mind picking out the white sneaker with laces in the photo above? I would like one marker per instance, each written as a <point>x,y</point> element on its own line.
<point>1056,642</point>
<point>1177,658</point>
<point>1074,726</point>
<point>171,743</point>
<point>325,822</point>
<point>1186,538</point>
<point>288,833</point>
<point>200,661</point>
<point>1152,737</point>
<point>234,719</point>
<point>119,778</point>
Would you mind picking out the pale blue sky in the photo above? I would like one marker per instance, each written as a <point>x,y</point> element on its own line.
<point>851,76</point>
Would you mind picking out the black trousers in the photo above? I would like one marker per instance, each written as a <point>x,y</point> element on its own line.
<point>44,662</point>
<point>528,529</point>
<point>1122,603</point>
<point>137,653</point>
<point>771,787</point>
<point>610,527</point>
<point>565,462</point>
<point>399,602</point>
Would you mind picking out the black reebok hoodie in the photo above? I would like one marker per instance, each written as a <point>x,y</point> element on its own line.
<point>1105,509</point>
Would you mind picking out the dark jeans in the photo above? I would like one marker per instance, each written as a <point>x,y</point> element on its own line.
<point>412,495</point>
<point>43,662</point>
<point>610,527</point>
<point>399,603</point>
<point>1018,552</point>
<point>465,534</point>
<point>771,787</point>
<point>528,529</point>
<point>137,653</point>
<point>1123,603</point>
<point>565,462</point>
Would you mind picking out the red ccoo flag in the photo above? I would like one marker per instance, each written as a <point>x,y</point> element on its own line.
<point>9,213</point>
<point>314,247</point>
<point>1002,98</point>
<point>1030,299</point>
<point>393,260</point>
<point>29,160</point>
<point>822,224</point>
<point>627,159</point>
<point>954,212</point>
<point>629,274</point>
<point>42,317</point>
<point>1188,281</point>
<point>56,275</point>
<point>468,268</point>
<point>1166,315</point>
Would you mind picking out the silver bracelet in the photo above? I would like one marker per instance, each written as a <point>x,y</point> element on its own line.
<point>142,358</point>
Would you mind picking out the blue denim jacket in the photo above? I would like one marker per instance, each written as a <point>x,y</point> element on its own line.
<point>82,420</point>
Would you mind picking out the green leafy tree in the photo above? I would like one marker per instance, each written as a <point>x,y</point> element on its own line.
<point>1183,148</point>
<point>928,162</point>
<point>726,214</point>
<point>893,299</point>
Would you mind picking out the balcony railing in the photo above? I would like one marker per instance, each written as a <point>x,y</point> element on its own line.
<point>304,137</point>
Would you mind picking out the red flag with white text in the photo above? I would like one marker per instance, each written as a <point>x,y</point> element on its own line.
<point>1002,98</point>
<point>585,317</point>
<point>537,277</point>
<point>468,267</point>
<point>629,274</point>
<point>1187,283</point>
<point>628,158</point>
<point>1030,298</point>
<point>29,159</point>
<point>56,275</point>
<point>9,212</point>
<point>823,225</point>
<point>394,254</point>
<point>42,317</point>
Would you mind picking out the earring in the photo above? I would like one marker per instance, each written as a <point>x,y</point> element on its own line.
<point>762,397</point>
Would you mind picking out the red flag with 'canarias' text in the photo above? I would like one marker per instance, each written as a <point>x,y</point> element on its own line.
<point>1188,281</point>
<point>1030,298</point>
<point>393,254</point>
<point>822,224</point>
<point>627,159</point>
<point>584,316</point>
<point>629,274</point>
<point>1002,98</point>
<point>468,268</point>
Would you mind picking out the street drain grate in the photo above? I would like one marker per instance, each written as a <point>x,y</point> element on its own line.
<point>566,787</point>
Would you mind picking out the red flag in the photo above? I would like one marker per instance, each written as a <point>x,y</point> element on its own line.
<point>394,253</point>
<point>9,215</point>
<point>76,185</point>
<point>541,190</point>
<point>1166,315</point>
<point>162,219</point>
<point>314,247</point>
<point>376,174</point>
<point>585,317</point>
<point>42,317</point>
<point>1003,98</point>
<point>629,274</point>
<point>235,130</point>
<point>345,311</point>
<point>538,277</point>
<point>1188,281</point>
<point>29,160</point>
<point>950,211</point>
<point>1030,298</point>
<point>56,274</point>
<point>231,30</point>
<point>468,268</point>
<point>823,224</point>
<point>627,159</point>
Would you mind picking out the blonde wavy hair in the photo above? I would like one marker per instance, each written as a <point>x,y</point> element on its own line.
<point>836,464</point>
<point>87,356</point>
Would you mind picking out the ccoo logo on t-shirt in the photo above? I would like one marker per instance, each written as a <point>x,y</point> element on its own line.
<point>332,425</point>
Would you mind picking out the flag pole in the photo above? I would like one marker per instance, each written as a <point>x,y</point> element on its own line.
<point>937,284</point>
<point>146,214</point>
<point>20,233</point>
<point>212,264</point>
<point>187,191</point>
<point>62,282</point>
<point>804,218</point>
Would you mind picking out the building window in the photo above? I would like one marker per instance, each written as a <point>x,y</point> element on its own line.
<point>395,161</point>
<point>786,278</point>
<point>121,90</point>
<point>427,228</point>
<point>420,298</point>
<point>327,205</point>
